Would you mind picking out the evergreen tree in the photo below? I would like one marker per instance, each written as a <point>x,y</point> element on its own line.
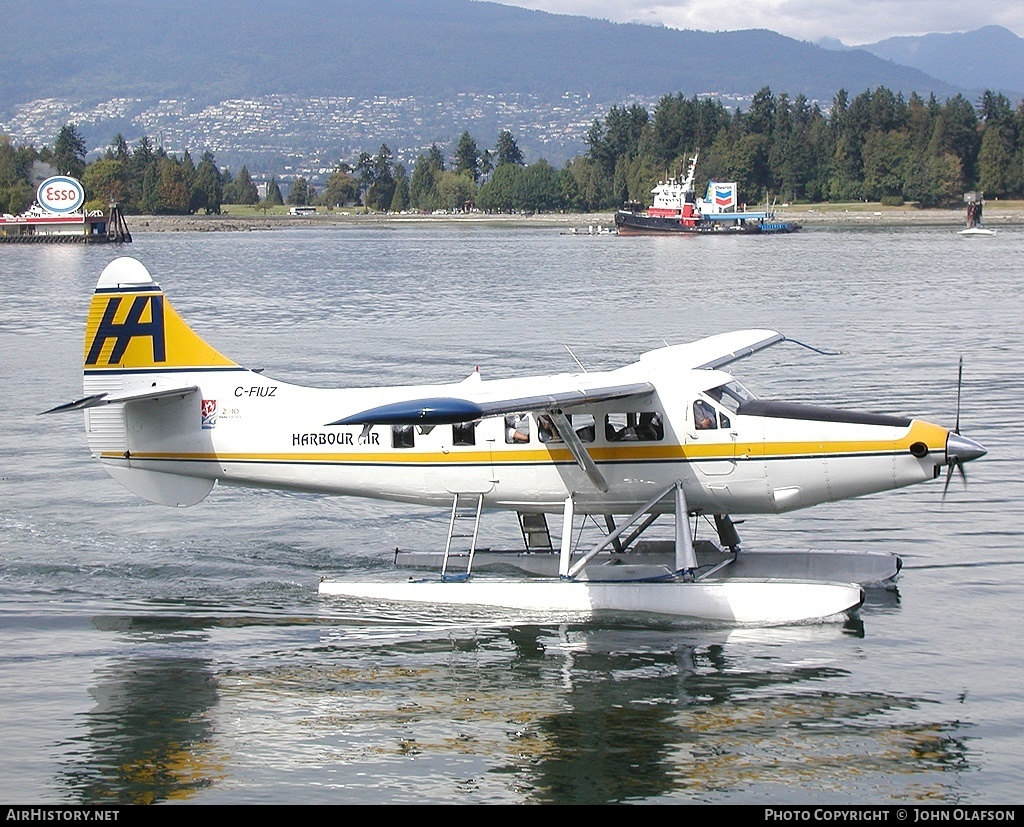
<point>999,173</point>
<point>486,163</point>
<point>467,157</point>
<point>961,136</point>
<point>506,150</point>
<point>400,200</point>
<point>149,193</point>
<point>298,195</point>
<point>207,187</point>
<point>69,151</point>
<point>382,181</point>
<point>426,174</point>
<point>118,149</point>
<point>16,194</point>
<point>243,190</point>
<point>274,197</point>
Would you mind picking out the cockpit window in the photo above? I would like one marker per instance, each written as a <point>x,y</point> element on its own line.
<point>704,416</point>
<point>731,395</point>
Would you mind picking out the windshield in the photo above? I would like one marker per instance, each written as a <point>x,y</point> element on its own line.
<point>731,395</point>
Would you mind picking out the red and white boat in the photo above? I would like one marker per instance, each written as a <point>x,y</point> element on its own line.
<point>676,209</point>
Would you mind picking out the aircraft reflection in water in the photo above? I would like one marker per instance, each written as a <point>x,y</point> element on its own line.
<point>580,713</point>
<point>700,720</point>
<point>148,737</point>
<point>628,714</point>
<point>671,434</point>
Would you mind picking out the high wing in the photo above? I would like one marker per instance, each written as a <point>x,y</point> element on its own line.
<point>714,352</point>
<point>445,410</point>
<point>568,390</point>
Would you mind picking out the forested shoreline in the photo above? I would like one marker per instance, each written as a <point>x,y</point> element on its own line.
<point>877,146</point>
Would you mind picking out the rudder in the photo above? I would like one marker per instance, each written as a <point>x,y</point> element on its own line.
<point>132,327</point>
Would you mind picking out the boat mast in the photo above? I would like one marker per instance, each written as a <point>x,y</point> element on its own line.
<point>688,183</point>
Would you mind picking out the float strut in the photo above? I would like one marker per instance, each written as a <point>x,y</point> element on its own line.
<point>686,557</point>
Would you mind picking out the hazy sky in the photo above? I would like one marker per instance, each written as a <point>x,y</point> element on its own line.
<point>852,21</point>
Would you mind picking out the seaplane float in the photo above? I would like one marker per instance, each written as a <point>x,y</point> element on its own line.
<point>669,436</point>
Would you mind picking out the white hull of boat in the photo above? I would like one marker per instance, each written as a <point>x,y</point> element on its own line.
<point>977,231</point>
<point>748,602</point>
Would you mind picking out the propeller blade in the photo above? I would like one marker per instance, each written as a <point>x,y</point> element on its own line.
<point>949,476</point>
<point>959,466</point>
<point>959,385</point>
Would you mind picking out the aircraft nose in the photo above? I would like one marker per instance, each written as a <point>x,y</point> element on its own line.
<point>963,449</point>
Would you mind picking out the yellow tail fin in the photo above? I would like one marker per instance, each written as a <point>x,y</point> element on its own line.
<point>132,327</point>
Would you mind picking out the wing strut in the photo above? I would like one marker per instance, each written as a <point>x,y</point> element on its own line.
<point>579,450</point>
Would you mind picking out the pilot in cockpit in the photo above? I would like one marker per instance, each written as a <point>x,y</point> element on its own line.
<point>703,415</point>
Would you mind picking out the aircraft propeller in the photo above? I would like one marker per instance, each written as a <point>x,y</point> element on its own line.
<point>959,449</point>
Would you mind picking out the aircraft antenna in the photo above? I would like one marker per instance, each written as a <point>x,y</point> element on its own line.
<point>577,361</point>
<point>815,349</point>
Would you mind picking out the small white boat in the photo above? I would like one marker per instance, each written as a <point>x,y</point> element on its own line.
<point>977,231</point>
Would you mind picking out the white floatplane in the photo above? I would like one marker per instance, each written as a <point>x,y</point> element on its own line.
<point>671,434</point>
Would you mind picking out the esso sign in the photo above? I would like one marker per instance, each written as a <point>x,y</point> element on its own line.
<point>60,194</point>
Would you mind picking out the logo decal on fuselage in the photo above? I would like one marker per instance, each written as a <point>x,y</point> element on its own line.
<point>133,326</point>
<point>209,411</point>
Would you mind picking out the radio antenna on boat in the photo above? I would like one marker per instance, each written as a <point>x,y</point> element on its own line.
<point>577,361</point>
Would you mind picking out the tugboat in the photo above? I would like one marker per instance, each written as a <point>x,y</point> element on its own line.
<point>677,210</point>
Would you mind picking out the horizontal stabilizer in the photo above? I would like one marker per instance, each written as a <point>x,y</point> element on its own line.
<point>112,398</point>
<point>446,410</point>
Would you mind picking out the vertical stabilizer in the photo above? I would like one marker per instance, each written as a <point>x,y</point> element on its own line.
<point>132,327</point>
<point>144,368</point>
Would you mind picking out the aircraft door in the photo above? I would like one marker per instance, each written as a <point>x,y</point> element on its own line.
<point>712,439</point>
<point>467,465</point>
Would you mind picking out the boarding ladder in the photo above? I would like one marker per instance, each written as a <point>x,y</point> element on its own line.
<point>465,507</point>
<point>535,531</point>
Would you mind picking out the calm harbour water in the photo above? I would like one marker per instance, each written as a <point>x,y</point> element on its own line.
<point>160,655</point>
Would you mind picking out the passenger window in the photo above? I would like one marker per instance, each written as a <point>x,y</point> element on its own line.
<point>650,427</point>
<point>724,421</point>
<point>517,428</point>
<point>634,427</point>
<point>546,430</point>
<point>616,427</point>
<point>464,433</point>
<point>704,417</point>
<point>402,436</point>
<point>584,426</point>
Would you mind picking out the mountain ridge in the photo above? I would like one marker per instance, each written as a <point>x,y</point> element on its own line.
<point>195,49</point>
<point>988,58</point>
